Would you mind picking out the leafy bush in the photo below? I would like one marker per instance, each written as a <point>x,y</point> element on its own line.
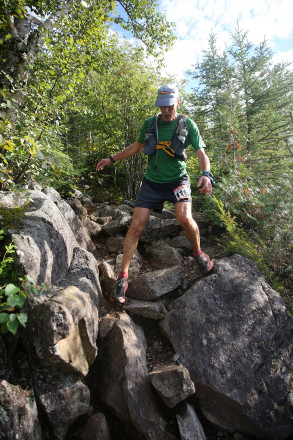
<point>13,296</point>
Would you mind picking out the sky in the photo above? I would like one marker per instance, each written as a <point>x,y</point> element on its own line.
<point>195,20</point>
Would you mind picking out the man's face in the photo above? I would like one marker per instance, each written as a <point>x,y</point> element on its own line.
<point>169,113</point>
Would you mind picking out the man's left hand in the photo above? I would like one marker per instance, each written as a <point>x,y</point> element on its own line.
<point>205,184</point>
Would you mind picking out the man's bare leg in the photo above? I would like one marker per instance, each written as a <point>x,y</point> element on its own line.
<point>139,220</point>
<point>184,216</point>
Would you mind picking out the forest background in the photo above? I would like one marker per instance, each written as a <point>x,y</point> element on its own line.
<point>72,92</point>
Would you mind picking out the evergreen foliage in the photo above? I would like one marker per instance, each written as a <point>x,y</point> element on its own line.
<point>243,106</point>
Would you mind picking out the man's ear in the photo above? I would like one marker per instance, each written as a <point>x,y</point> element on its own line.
<point>178,102</point>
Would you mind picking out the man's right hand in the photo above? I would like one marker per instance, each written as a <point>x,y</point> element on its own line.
<point>103,163</point>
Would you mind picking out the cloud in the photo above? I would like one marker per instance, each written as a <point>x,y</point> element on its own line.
<point>196,20</point>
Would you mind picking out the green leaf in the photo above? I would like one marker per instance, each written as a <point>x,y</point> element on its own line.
<point>12,326</point>
<point>12,317</point>
<point>16,300</point>
<point>22,318</point>
<point>11,289</point>
<point>4,317</point>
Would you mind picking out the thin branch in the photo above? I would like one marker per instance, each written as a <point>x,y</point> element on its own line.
<point>289,148</point>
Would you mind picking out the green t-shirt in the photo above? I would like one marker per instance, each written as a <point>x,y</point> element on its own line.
<point>161,166</point>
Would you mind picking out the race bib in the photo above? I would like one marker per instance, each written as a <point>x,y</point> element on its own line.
<point>182,192</point>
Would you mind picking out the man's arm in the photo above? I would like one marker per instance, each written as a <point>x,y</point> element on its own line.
<point>204,164</point>
<point>133,149</point>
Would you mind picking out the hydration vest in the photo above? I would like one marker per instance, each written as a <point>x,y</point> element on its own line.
<point>173,148</point>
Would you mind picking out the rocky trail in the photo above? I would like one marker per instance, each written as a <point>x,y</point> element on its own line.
<point>185,358</point>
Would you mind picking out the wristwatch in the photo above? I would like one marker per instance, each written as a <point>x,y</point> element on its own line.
<point>112,159</point>
<point>210,176</point>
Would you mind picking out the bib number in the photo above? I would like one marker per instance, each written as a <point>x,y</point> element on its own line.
<point>182,192</point>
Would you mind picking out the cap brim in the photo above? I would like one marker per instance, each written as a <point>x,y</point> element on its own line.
<point>165,101</point>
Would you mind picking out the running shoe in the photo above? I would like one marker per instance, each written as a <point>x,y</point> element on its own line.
<point>118,295</point>
<point>204,263</point>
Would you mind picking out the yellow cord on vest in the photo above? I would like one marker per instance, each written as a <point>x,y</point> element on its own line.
<point>166,147</point>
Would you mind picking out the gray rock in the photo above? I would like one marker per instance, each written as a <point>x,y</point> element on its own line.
<point>147,309</point>
<point>83,273</point>
<point>157,229</point>
<point>11,200</point>
<point>181,242</point>
<point>189,424</point>
<point>108,278</point>
<point>172,383</point>
<point>45,242</point>
<point>162,255</point>
<point>63,329</point>
<point>100,220</point>
<point>96,428</point>
<point>33,184</point>
<point>77,227</point>
<point>134,267</point>
<point>116,227</point>
<point>153,285</point>
<point>92,228</point>
<point>63,398</point>
<point>130,396</point>
<point>78,194</point>
<point>18,413</point>
<point>165,214</point>
<point>77,207</point>
<point>52,193</point>
<point>106,325</point>
<point>115,243</point>
<point>87,202</point>
<point>114,211</point>
<point>60,331</point>
<point>237,329</point>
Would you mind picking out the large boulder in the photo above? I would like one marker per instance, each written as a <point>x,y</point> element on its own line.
<point>44,241</point>
<point>63,399</point>
<point>234,336</point>
<point>162,255</point>
<point>64,329</point>
<point>172,383</point>
<point>147,309</point>
<point>189,424</point>
<point>18,413</point>
<point>153,285</point>
<point>124,387</point>
<point>96,428</point>
<point>78,228</point>
<point>157,228</point>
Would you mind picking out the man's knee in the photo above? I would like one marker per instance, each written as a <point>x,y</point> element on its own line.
<point>137,224</point>
<point>186,221</point>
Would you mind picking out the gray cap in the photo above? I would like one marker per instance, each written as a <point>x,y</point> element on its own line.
<point>167,95</point>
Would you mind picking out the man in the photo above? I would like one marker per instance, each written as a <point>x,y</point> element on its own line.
<point>164,140</point>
